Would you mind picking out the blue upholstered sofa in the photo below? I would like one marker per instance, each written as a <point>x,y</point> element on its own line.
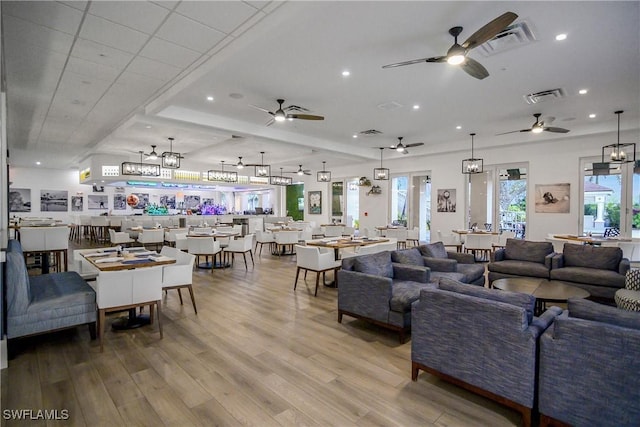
<point>589,367</point>
<point>521,258</point>
<point>452,265</point>
<point>374,288</point>
<point>481,339</point>
<point>38,304</point>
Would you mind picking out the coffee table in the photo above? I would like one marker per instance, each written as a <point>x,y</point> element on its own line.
<point>544,290</point>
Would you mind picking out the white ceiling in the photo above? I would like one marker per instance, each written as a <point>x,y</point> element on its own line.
<point>116,77</point>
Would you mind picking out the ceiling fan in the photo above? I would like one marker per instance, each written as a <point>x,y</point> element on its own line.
<point>288,113</point>
<point>538,127</point>
<point>300,171</point>
<point>402,148</point>
<point>152,155</point>
<point>457,54</point>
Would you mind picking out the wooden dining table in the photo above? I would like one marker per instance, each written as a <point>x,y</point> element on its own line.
<point>338,244</point>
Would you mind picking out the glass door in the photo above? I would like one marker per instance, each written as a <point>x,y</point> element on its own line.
<point>603,200</point>
<point>512,200</point>
<point>420,212</point>
<point>353,203</point>
<point>399,187</point>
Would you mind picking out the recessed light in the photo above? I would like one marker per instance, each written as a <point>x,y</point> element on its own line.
<point>561,37</point>
<point>209,98</point>
<point>592,116</point>
<point>38,163</point>
<point>416,107</point>
<point>346,73</point>
<point>458,127</point>
<point>583,91</point>
<point>148,126</point>
<point>355,135</point>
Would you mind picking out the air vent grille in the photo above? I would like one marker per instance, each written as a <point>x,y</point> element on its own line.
<point>390,106</point>
<point>514,36</point>
<point>370,132</point>
<point>545,95</point>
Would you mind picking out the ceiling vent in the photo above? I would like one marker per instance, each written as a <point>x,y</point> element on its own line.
<point>390,106</point>
<point>514,36</point>
<point>370,132</point>
<point>545,95</point>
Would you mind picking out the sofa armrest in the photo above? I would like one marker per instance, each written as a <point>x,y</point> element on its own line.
<point>413,273</point>
<point>624,266</point>
<point>440,264</point>
<point>557,261</point>
<point>462,258</point>
<point>498,255</point>
<point>542,322</point>
<point>364,294</point>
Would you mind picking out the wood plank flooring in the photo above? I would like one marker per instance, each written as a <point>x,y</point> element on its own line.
<point>257,353</point>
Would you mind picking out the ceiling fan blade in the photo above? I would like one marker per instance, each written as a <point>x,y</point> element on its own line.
<point>490,30</point>
<point>556,130</point>
<point>304,117</point>
<point>261,109</point>
<point>404,151</point>
<point>413,61</point>
<point>415,144</point>
<point>437,59</point>
<point>270,122</point>
<point>474,68</point>
<point>513,131</point>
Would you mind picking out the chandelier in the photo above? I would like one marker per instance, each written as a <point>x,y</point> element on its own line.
<point>170,159</point>
<point>323,175</point>
<point>262,170</point>
<point>381,174</point>
<point>472,165</point>
<point>222,175</point>
<point>280,180</point>
<point>140,169</point>
<point>619,153</point>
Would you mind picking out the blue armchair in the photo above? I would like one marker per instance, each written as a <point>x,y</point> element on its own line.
<point>481,339</point>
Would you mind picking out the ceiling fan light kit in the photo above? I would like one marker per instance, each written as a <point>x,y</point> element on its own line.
<point>222,175</point>
<point>472,165</point>
<point>152,155</point>
<point>170,159</point>
<point>323,175</point>
<point>140,168</point>
<point>619,153</point>
<point>240,165</point>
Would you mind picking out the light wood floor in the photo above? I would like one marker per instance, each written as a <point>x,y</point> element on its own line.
<point>257,353</point>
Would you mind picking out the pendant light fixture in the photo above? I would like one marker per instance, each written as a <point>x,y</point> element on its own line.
<point>222,175</point>
<point>280,180</point>
<point>262,170</point>
<point>381,174</point>
<point>619,153</point>
<point>323,175</point>
<point>472,165</point>
<point>140,169</point>
<point>170,159</point>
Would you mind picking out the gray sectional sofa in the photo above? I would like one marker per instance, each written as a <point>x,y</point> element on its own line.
<point>589,367</point>
<point>374,288</point>
<point>452,265</point>
<point>521,258</point>
<point>38,304</point>
<point>481,339</point>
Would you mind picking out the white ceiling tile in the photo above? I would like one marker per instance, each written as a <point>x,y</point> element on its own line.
<point>46,13</point>
<point>224,16</point>
<point>169,53</point>
<point>139,15</point>
<point>75,90</point>
<point>248,24</point>
<point>92,70</point>
<point>100,54</point>
<point>154,69</point>
<point>188,33</point>
<point>115,35</point>
<point>17,30</point>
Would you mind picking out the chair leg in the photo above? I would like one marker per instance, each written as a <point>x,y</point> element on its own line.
<point>295,284</point>
<point>317,282</point>
<point>180,295</point>
<point>158,305</point>
<point>252,262</point>
<point>193,299</point>
<point>244,256</point>
<point>101,320</point>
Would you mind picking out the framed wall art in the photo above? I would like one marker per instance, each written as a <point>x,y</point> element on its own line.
<point>315,202</point>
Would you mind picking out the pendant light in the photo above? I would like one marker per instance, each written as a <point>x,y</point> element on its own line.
<point>619,153</point>
<point>222,175</point>
<point>323,175</point>
<point>262,170</point>
<point>170,159</point>
<point>381,174</point>
<point>472,165</point>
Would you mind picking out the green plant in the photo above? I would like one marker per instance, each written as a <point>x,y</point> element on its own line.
<point>356,224</point>
<point>612,213</point>
<point>590,209</point>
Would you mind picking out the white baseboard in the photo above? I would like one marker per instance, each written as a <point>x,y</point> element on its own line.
<point>3,354</point>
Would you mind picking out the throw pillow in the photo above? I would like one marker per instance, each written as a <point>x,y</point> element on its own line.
<point>589,310</point>
<point>434,250</point>
<point>408,256</point>
<point>527,302</point>
<point>378,264</point>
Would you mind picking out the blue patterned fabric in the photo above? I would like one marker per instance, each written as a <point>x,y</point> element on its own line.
<point>589,310</point>
<point>408,256</point>
<point>378,264</point>
<point>588,369</point>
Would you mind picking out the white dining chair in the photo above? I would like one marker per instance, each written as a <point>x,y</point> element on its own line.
<point>285,240</point>
<point>128,289</point>
<point>181,242</point>
<point>119,238</point>
<point>56,243</point>
<point>413,236</point>
<point>333,230</point>
<point>479,244</point>
<point>204,246</point>
<point>400,235</point>
<point>179,275</point>
<point>450,240</point>
<point>318,260</point>
<point>241,245</point>
<point>153,237</point>
<point>262,238</point>
<point>170,235</point>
